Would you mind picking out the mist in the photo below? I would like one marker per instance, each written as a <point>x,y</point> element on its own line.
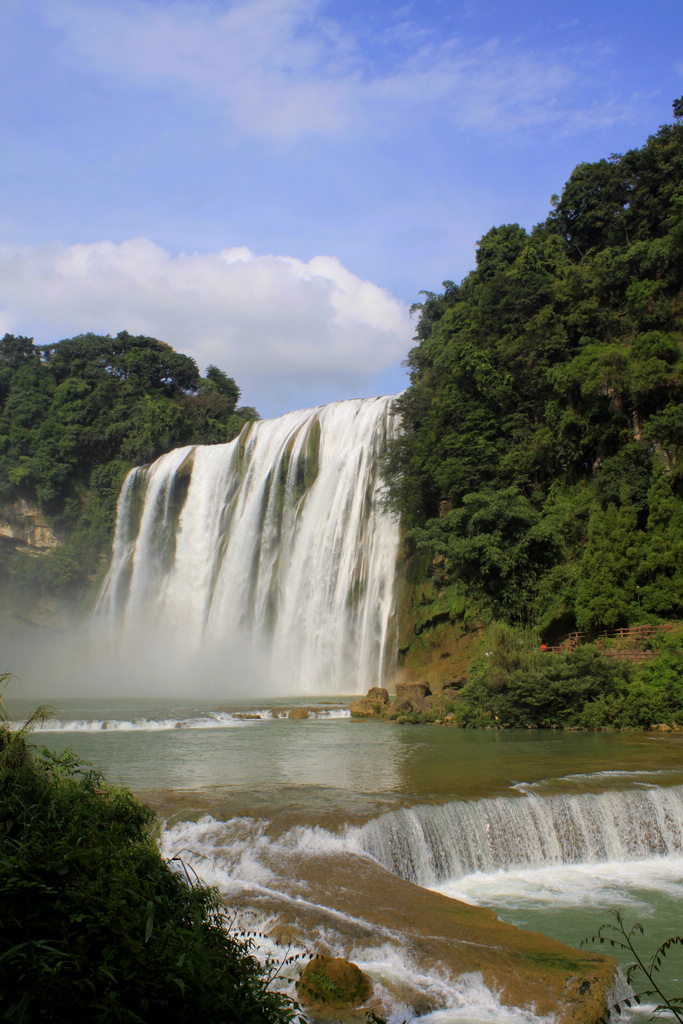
<point>87,659</point>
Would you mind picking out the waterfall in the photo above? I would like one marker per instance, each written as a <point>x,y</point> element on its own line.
<point>428,844</point>
<point>277,538</point>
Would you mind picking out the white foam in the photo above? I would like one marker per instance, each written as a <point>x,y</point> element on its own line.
<point>210,720</point>
<point>433,844</point>
<point>217,721</point>
<point>230,856</point>
<point>277,543</point>
<point>241,858</point>
<point>465,999</point>
<point>646,776</point>
<point>225,854</point>
<point>607,885</point>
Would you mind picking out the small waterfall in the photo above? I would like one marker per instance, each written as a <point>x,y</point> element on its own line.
<point>428,844</point>
<point>277,538</point>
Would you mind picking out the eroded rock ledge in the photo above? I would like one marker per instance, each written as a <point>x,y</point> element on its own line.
<point>352,903</point>
<point>23,525</point>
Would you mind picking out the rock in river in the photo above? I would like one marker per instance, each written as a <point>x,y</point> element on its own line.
<point>333,982</point>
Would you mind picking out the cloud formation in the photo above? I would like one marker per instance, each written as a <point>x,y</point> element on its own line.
<point>291,333</point>
<point>282,69</point>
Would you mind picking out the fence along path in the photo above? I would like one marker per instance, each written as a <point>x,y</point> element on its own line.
<point>637,633</point>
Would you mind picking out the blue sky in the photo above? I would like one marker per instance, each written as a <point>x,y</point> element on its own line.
<point>268,184</point>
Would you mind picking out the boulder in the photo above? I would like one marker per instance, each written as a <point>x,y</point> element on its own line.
<point>365,707</point>
<point>374,703</point>
<point>410,691</point>
<point>299,713</point>
<point>402,707</point>
<point>407,705</point>
<point>332,982</point>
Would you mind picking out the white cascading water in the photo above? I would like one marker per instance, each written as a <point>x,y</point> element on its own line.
<point>428,844</point>
<point>278,536</point>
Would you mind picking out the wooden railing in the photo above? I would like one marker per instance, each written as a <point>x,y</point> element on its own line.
<point>572,640</point>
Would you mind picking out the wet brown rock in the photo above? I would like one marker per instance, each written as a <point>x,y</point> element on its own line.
<point>366,708</point>
<point>373,704</point>
<point>298,713</point>
<point>402,707</point>
<point>409,705</point>
<point>332,982</point>
<point>412,691</point>
<point>356,901</point>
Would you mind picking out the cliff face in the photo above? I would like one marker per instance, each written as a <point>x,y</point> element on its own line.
<point>436,631</point>
<point>27,543</point>
<point>23,525</point>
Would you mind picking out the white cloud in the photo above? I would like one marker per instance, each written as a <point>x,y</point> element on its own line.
<point>291,333</point>
<point>281,70</point>
<point>273,71</point>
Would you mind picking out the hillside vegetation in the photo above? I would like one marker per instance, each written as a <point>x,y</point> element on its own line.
<point>75,416</point>
<point>539,474</point>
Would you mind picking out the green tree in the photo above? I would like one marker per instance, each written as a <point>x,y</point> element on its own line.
<point>557,362</point>
<point>217,381</point>
<point>660,574</point>
<point>606,588</point>
<point>498,547</point>
<point>77,414</point>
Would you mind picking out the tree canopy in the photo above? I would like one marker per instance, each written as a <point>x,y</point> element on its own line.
<point>543,423</point>
<point>76,415</point>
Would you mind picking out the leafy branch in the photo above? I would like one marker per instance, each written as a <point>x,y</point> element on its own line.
<point>640,969</point>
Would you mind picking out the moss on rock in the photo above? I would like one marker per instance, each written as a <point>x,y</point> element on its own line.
<point>333,982</point>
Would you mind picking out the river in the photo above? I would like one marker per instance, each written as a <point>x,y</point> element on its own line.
<point>552,830</point>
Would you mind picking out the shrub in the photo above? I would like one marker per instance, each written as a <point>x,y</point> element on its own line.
<point>96,925</point>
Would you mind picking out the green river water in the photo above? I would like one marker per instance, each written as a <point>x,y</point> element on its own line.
<point>453,810</point>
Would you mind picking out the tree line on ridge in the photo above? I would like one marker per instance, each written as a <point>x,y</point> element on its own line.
<point>75,416</point>
<point>541,458</point>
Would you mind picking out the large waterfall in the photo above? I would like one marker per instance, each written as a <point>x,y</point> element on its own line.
<point>275,540</point>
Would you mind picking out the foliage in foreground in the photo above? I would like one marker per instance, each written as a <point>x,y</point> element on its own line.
<point>641,971</point>
<point>95,925</point>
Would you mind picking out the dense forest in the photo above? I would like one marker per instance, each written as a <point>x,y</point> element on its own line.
<point>540,468</point>
<point>75,416</point>
<point>539,473</point>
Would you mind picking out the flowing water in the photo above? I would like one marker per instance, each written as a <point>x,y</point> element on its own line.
<point>297,820</point>
<point>276,542</point>
<point>245,573</point>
